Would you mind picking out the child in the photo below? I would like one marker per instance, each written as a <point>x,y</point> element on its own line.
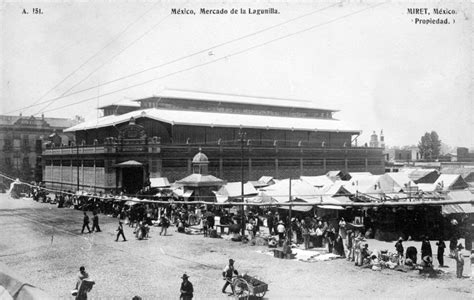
<point>459,261</point>
<point>205,226</point>
<point>399,248</point>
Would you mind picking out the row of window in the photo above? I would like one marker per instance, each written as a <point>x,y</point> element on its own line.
<point>326,115</point>
<point>75,163</point>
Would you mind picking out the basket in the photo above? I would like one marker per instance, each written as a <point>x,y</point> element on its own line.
<point>255,285</point>
<point>278,254</point>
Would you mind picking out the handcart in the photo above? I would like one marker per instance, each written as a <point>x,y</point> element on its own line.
<point>246,286</point>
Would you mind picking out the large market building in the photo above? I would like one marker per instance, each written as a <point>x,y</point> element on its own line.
<point>158,137</point>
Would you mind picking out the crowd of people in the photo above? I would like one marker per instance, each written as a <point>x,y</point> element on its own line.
<point>345,239</point>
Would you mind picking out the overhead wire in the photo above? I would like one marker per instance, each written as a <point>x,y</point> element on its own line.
<point>184,57</point>
<point>114,56</point>
<point>221,58</point>
<point>87,60</point>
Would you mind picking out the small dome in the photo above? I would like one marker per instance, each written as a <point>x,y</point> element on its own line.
<point>200,158</point>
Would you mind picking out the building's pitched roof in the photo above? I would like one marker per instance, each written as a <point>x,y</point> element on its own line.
<point>53,122</point>
<point>464,172</point>
<point>213,119</point>
<point>230,98</point>
<point>61,122</point>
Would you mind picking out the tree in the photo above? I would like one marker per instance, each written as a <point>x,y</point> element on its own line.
<point>430,145</point>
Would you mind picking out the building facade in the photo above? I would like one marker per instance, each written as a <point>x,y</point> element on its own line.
<point>240,135</point>
<point>21,140</point>
<point>463,155</point>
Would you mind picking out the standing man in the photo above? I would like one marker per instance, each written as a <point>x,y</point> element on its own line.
<point>441,247</point>
<point>350,245</point>
<point>227,273</point>
<point>270,223</point>
<point>85,223</point>
<point>281,232</point>
<point>306,234</point>
<point>186,288</point>
<point>120,232</point>
<point>426,248</point>
<point>164,223</point>
<point>95,222</point>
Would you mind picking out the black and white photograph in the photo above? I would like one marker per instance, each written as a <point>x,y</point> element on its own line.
<point>232,149</point>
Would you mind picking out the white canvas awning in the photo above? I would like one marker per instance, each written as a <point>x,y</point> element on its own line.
<point>466,208</point>
<point>335,207</point>
<point>184,193</point>
<point>160,182</point>
<point>234,190</point>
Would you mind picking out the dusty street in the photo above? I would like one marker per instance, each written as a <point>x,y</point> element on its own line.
<point>44,244</point>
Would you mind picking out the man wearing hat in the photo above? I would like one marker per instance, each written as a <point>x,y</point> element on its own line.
<point>85,223</point>
<point>227,273</point>
<point>186,288</point>
<point>281,231</point>
<point>270,222</point>
<point>426,247</point>
<point>120,232</point>
<point>459,261</point>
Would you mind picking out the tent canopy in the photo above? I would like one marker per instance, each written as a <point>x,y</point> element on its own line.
<point>302,191</point>
<point>182,192</point>
<point>199,180</point>
<point>317,181</point>
<point>280,191</point>
<point>160,182</point>
<point>266,180</point>
<point>395,182</point>
<point>450,182</point>
<point>466,208</point>
<point>234,190</point>
<point>13,286</point>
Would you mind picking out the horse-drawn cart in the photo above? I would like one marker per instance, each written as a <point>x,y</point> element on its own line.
<point>246,286</point>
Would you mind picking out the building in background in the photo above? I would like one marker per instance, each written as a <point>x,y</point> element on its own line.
<point>21,140</point>
<point>463,155</point>
<point>374,140</point>
<point>241,135</point>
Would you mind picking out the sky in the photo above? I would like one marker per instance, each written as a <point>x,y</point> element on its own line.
<point>367,59</point>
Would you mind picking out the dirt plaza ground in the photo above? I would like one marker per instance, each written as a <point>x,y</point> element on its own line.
<point>44,244</point>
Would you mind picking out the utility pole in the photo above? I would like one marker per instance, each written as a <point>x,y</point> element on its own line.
<point>77,159</point>
<point>242,215</point>
<point>289,214</point>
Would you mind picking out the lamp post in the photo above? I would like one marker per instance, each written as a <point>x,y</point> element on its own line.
<point>242,216</point>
